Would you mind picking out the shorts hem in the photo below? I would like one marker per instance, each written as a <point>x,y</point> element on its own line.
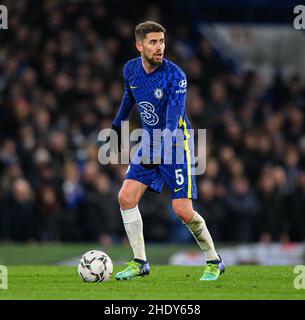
<point>149,188</point>
<point>184,197</point>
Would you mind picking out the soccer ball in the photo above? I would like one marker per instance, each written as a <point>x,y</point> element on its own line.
<point>95,266</point>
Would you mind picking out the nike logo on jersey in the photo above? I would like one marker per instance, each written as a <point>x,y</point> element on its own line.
<point>176,190</point>
<point>133,87</point>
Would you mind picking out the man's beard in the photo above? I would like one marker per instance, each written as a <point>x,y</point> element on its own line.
<point>152,62</point>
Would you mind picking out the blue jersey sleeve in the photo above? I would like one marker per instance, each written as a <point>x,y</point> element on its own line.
<point>127,102</point>
<point>176,103</point>
<point>175,110</point>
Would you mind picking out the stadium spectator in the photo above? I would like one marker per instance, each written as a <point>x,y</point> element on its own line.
<point>49,214</point>
<point>242,207</point>
<point>100,219</point>
<point>19,213</point>
<point>272,207</point>
<point>211,205</point>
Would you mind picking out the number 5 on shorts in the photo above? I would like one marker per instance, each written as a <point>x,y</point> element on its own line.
<point>179,177</point>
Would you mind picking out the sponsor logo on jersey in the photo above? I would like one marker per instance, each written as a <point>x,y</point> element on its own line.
<point>148,113</point>
<point>183,83</point>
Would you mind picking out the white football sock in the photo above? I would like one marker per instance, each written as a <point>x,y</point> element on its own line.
<point>134,228</point>
<point>202,235</point>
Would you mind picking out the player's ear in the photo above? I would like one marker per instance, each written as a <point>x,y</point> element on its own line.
<point>139,46</point>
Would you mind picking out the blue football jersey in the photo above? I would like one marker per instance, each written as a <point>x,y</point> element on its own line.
<point>160,97</point>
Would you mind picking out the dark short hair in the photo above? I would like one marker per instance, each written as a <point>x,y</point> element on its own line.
<point>142,29</point>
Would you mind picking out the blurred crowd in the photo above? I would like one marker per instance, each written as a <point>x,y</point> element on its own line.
<point>61,83</point>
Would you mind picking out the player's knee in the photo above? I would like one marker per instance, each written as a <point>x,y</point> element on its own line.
<point>183,212</point>
<point>126,199</point>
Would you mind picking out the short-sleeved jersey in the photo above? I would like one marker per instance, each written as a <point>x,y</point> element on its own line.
<point>160,96</point>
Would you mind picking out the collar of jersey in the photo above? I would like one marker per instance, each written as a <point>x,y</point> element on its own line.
<point>155,71</point>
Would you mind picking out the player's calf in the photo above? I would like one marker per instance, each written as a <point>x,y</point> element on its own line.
<point>183,209</point>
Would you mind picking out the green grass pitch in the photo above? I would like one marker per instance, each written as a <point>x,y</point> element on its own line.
<point>164,283</point>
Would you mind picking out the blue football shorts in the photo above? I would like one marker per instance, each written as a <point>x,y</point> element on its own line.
<point>178,177</point>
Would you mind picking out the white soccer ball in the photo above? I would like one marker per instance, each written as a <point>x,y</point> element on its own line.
<point>95,266</point>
